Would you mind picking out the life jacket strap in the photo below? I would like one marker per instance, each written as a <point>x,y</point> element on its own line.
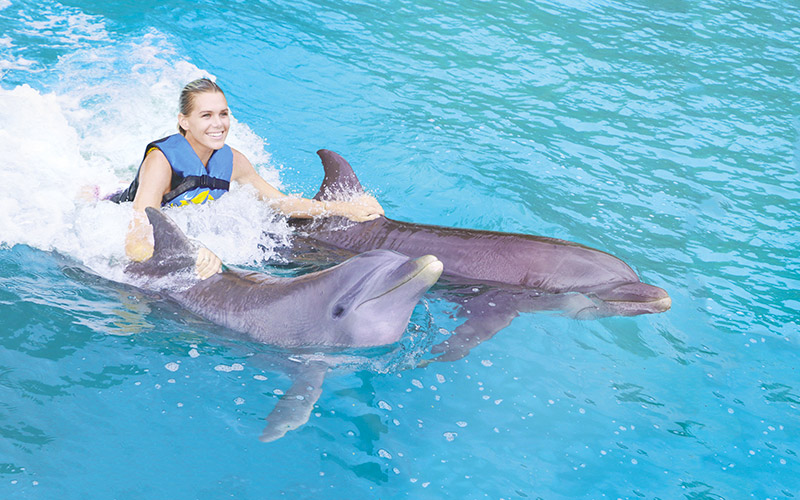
<point>195,181</point>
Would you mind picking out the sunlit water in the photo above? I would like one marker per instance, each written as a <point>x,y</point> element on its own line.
<point>665,133</point>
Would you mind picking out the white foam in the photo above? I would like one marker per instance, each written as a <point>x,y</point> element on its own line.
<point>42,171</point>
<point>19,63</point>
<point>66,25</point>
<point>90,129</point>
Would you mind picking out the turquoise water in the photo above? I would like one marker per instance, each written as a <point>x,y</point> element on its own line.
<point>663,132</point>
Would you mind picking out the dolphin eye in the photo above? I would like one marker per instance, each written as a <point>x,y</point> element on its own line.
<point>337,312</point>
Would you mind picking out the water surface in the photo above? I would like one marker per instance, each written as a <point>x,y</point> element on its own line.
<point>663,132</point>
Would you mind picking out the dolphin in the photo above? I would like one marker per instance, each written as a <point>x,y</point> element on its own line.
<point>521,260</point>
<point>365,301</point>
<point>525,272</point>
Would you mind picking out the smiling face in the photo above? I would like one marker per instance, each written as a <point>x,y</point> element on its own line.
<point>207,123</point>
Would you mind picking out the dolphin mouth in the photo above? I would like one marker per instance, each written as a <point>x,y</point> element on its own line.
<point>649,297</point>
<point>425,270</point>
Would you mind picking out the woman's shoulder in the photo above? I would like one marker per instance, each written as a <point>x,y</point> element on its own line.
<point>155,158</point>
<point>239,158</point>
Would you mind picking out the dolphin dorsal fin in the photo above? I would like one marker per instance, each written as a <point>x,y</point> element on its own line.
<point>169,240</point>
<point>340,180</point>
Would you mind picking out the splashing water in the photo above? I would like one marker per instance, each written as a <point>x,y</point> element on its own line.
<point>82,139</point>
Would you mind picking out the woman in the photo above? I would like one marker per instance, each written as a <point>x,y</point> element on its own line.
<point>196,166</point>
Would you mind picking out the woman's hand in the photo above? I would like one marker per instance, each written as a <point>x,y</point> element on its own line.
<point>207,263</point>
<point>139,239</point>
<point>361,209</point>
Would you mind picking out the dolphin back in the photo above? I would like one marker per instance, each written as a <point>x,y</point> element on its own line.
<point>172,251</point>
<point>340,181</point>
<point>169,239</point>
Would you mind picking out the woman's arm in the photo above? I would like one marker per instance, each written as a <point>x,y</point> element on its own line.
<point>154,182</point>
<point>364,208</point>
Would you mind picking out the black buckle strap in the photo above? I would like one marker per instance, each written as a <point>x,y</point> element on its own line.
<point>195,181</point>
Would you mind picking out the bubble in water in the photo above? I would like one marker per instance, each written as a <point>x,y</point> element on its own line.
<point>235,367</point>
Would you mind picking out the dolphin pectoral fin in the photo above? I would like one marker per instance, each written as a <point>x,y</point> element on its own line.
<point>492,309</point>
<point>487,313</point>
<point>294,408</point>
<point>469,334</point>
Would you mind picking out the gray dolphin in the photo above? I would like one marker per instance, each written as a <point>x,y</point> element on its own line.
<point>523,272</point>
<point>364,301</point>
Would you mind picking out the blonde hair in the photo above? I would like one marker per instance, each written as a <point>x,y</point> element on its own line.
<point>186,102</point>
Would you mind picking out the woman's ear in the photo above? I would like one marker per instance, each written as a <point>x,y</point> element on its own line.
<point>183,121</point>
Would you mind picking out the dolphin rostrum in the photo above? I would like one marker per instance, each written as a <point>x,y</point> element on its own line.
<point>364,301</point>
<point>525,272</point>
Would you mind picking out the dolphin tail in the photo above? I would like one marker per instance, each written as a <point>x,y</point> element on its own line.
<point>294,407</point>
<point>340,180</point>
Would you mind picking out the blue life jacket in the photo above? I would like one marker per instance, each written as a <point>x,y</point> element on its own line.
<point>191,181</point>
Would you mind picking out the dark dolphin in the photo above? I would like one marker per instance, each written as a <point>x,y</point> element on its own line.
<point>365,301</point>
<point>521,260</point>
<point>523,272</point>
